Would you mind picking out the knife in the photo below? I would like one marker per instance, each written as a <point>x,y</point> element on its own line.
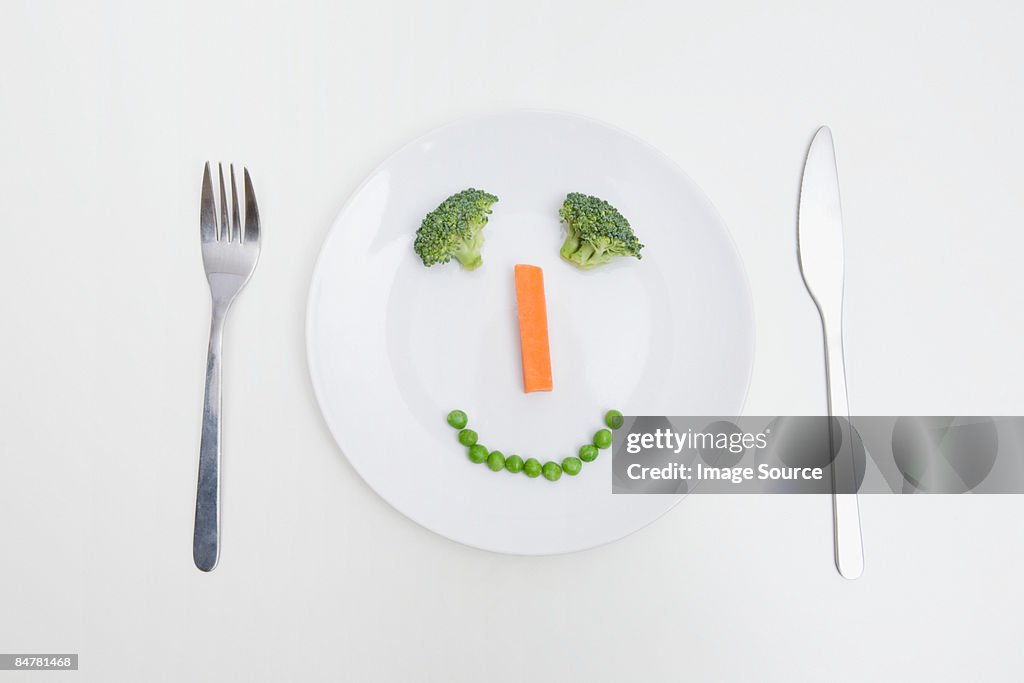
<point>820,243</point>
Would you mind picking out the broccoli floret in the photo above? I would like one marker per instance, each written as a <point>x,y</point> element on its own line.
<point>455,229</point>
<point>597,232</point>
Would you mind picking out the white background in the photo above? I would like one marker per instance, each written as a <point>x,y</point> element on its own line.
<point>108,111</point>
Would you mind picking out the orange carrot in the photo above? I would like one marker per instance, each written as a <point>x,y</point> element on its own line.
<point>533,328</point>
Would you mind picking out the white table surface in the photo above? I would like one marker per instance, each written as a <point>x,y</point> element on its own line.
<point>108,111</point>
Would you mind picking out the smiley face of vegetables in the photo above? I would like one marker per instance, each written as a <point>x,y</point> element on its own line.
<point>596,233</point>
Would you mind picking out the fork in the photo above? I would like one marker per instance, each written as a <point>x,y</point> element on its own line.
<point>229,258</point>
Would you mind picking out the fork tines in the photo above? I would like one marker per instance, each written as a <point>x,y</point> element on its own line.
<point>228,230</point>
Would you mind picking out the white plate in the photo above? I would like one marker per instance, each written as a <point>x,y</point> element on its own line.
<point>393,346</point>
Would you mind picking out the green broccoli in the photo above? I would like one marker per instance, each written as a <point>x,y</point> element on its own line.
<point>597,232</point>
<point>455,228</point>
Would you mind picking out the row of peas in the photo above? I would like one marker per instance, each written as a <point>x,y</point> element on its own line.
<point>531,467</point>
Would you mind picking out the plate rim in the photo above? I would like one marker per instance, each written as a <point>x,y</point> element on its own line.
<point>472,118</point>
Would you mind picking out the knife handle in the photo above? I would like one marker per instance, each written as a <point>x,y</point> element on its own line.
<point>849,548</point>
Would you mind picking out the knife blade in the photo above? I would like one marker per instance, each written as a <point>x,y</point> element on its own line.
<point>820,245</point>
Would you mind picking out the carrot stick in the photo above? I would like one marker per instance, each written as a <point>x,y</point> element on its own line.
<point>533,328</point>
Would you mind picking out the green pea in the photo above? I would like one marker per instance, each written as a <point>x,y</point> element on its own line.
<point>496,461</point>
<point>572,466</point>
<point>532,468</point>
<point>552,471</point>
<point>588,452</point>
<point>603,438</point>
<point>513,464</point>
<point>612,418</point>
<point>467,437</point>
<point>477,453</point>
<point>457,419</point>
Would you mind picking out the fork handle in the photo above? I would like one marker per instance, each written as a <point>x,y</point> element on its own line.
<point>206,536</point>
